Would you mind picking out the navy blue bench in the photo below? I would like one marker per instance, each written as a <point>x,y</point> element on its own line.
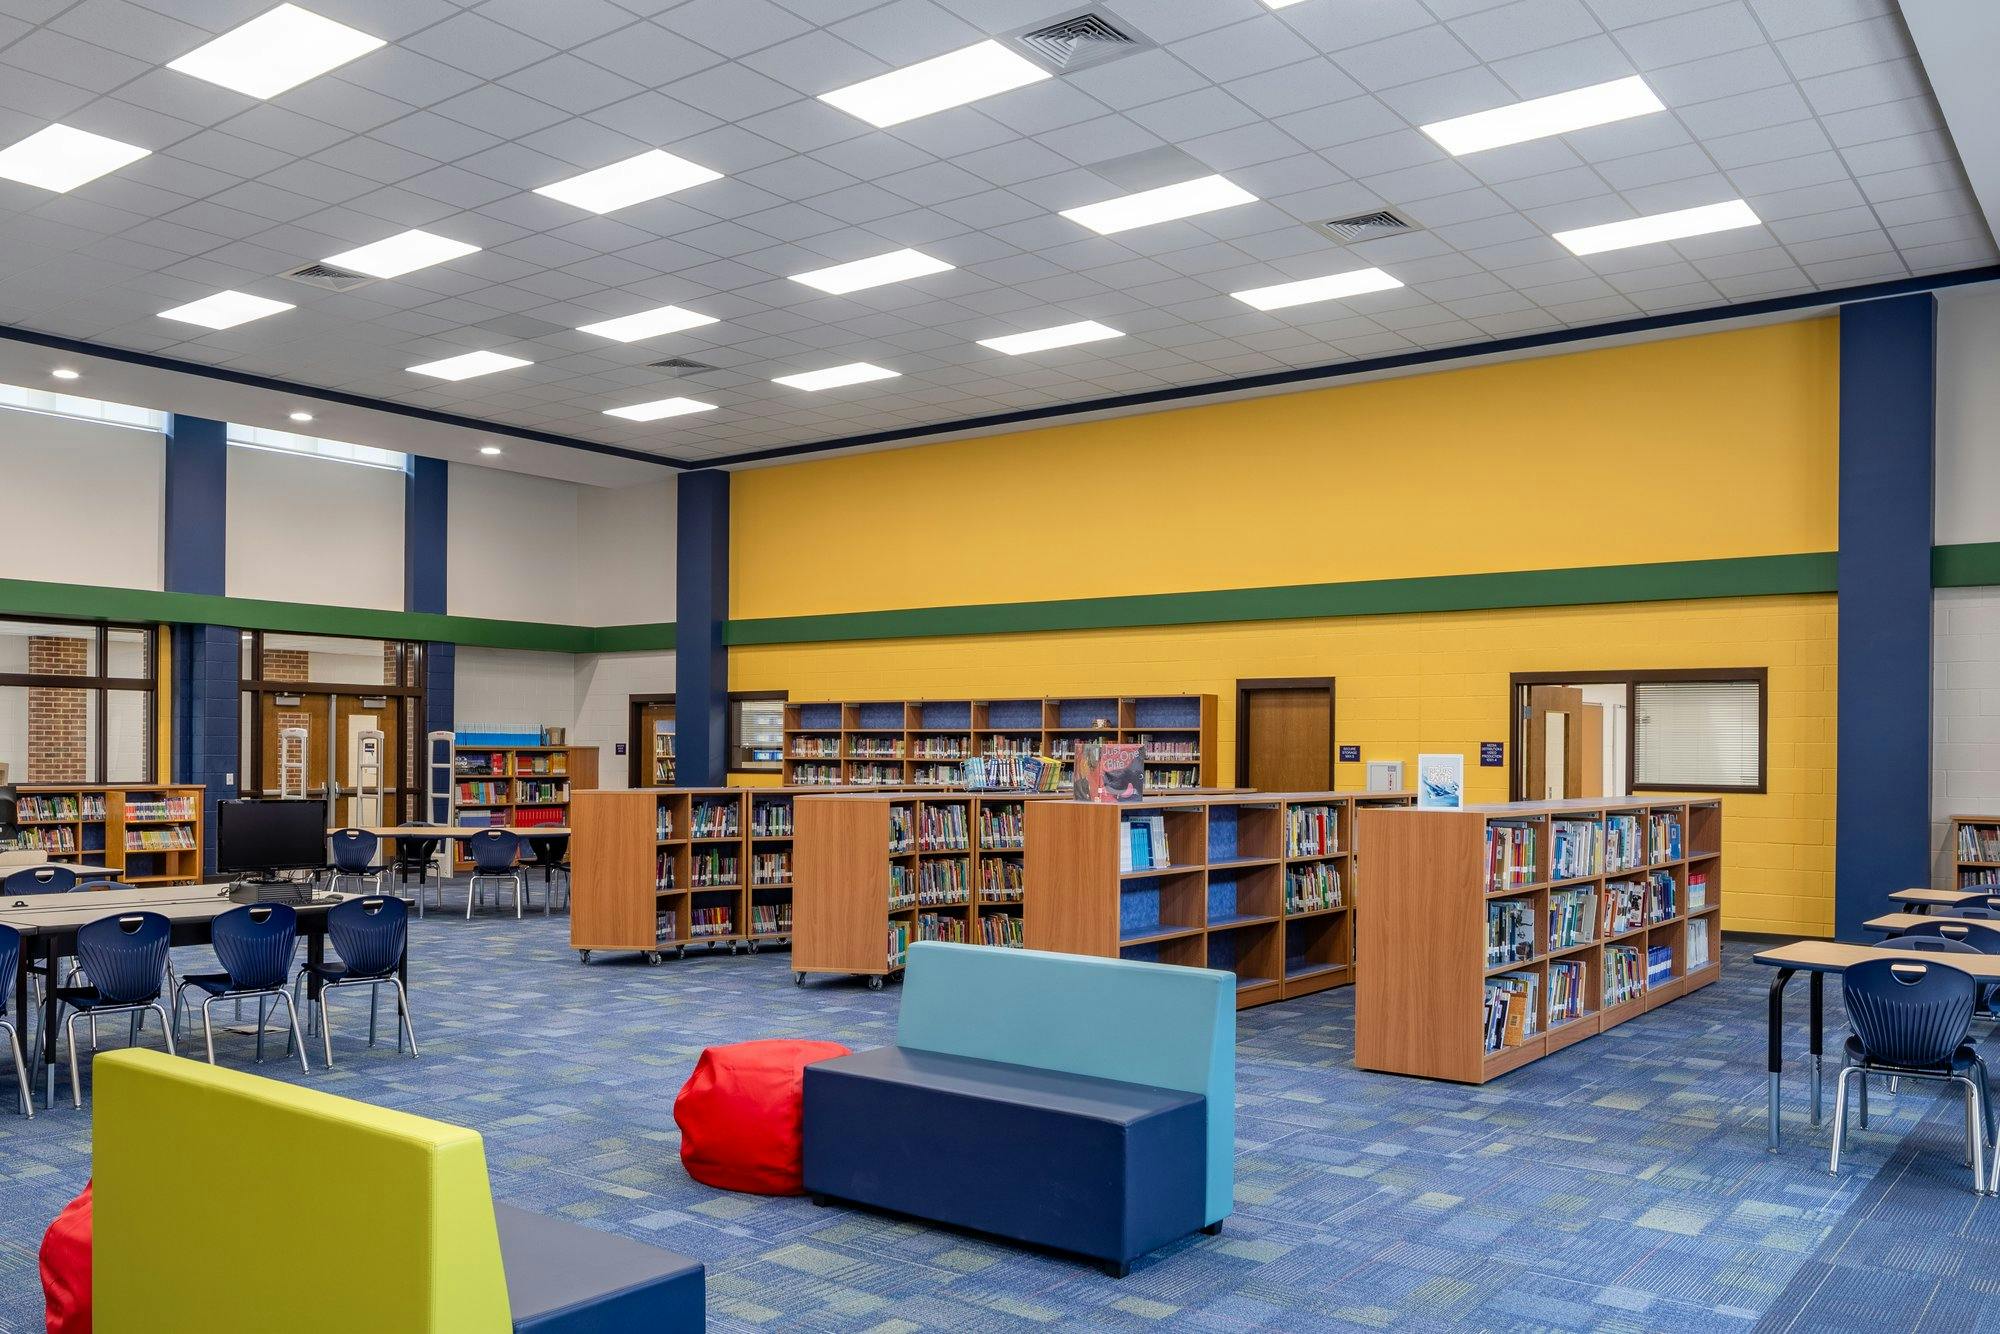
<point>563,1278</point>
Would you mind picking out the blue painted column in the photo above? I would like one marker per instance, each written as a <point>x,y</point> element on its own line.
<point>207,705</point>
<point>426,564</point>
<point>701,662</point>
<point>1888,368</point>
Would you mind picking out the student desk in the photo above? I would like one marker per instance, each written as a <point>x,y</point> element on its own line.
<point>1894,923</point>
<point>1818,958</point>
<point>82,872</point>
<point>1927,900</point>
<point>50,922</point>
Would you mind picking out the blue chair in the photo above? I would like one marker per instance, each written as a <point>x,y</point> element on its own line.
<point>125,958</point>
<point>354,856</point>
<point>550,855</point>
<point>10,960</point>
<point>370,935</point>
<point>255,945</point>
<point>413,857</point>
<point>39,880</point>
<point>1911,1020</point>
<point>92,886</point>
<point>494,852</point>
<point>1984,938</point>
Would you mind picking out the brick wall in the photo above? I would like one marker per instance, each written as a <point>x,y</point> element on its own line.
<point>58,719</point>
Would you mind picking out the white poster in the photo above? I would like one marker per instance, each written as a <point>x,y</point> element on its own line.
<point>1440,782</point>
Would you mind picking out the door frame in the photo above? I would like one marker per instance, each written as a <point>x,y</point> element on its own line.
<point>1244,685</point>
<point>409,789</point>
<point>1517,772</point>
<point>636,754</point>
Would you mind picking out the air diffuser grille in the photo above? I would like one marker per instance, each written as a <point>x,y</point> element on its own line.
<point>1365,226</point>
<point>1077,42</point>
<point>327,277</point>
<point>679,366</point>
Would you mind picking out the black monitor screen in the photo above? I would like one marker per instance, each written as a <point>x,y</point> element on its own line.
<point>270,835</point>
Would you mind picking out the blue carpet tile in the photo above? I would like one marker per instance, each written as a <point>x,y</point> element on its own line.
<point>1620,1185</point>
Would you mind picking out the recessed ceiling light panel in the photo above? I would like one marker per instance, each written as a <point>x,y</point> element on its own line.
<point>489,450</point>
<point>1041,340</point>
<point>660,407</point>
<point>65,373</point>
<point>468,364</point>
<point>301,416</point>
<point>59,158</point>
<point>403,253</point>
<point>647,324</point>
<point>633,181</point>
<point>1578,109</point>
<point>225,310</point>
<point>1204,194</point>
<point>932,85</point>
<point>1308,290</point>
<point>276,50</point>
<point>1673,226</point>
<point>895,267</point>
<point>834,377</point>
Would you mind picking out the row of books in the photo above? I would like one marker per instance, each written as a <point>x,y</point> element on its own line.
<point>1312,831</point>
<point>1576,849</point>
<point>1572,917</point>
<point>1565,991</point>
<point>1311,887</point>
<point>170,838</point>
<point>1697,890</point>
<point>479,762</point>
<point>1662,897</point>
<point>91,807</point>
<point>712,868</point>
<point>483,793</point>
<point>938,926</point>
<point>944,881</point>
<point>1623,978</point>
<point>537,815</point>
<point>1173,750</point>
<point>663,871</point>
<point>1979,843</point>
<point>1510,855</point>
<point>875,747</point>
<point>716,819</point>
<point>942,748</point>
<point>1624,907</point>
<point>902,886</point>
<point>771,868</point>
<point>943,828</point>
<point>1659,965</point>
<point>541,793</point>
<point>1511,1000</point>
<point>1666,837</point>
<point>1142,842</point>
<point>876,773</point>
<point>1002,878</point>
<point>717,921</point>
<point>1510,932</point>
<point>1978,878</point>
<point>899,944</point>
<point>1002,825</point>
<point>1002,929</point>
<point>539,765</point>
<point>815,747</point>
<point>1009,747</point>
<point>55,838</point>
<point>902,829</point>
<point>1064,747</point>
<point>937,775</point>
<point>770,819</point>
<point>770,919</point>
<point>666,926</point>
<point>663,822</point>
<point>1624,842</point>
<point>1698,944</point>
<point>1172,780</point>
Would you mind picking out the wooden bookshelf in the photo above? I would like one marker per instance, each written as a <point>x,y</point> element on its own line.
<point>1243,888</point>
<point>1421,1004</point>
<point>520,786</point>
<point>148,834</point>
<point>1975,848</point>
<point>924,743</point>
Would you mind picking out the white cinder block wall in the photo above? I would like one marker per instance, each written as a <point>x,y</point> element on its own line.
<point>588,693</point>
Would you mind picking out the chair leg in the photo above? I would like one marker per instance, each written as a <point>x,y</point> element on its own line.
<point>296,1041</point>
<point>1839,1118</point>
<point>165,1030</point>
<point>208,1029</point>
<point>373,992</point>
<point>471,892</point>
<point>20,1070</point>
<point>326,1025</point>
<point>75,1080</point>
<point>1975,1140</point>
<point>403,1008</point>
<point>520,886</point>
<point>262,1013</point>
<point>1864,1098</point>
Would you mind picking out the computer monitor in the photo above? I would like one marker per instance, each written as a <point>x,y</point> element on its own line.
<point>261,837</point>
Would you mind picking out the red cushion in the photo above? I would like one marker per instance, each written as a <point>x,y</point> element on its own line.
<point>739,1114</point>
<point>66,1267</point>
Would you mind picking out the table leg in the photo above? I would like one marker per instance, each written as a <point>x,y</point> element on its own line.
<point>1775,1052</point>
<point>21,993</point>
<point>49,980</point>
<point>1818,994</point>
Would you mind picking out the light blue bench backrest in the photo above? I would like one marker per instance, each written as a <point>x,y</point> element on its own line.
<point>1143,1023</point>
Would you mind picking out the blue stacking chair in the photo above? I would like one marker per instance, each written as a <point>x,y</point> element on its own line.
<point>125,958</point>
<point>354,856</point>
<point>494,852</point>
<point>369,934</point>
<point>39,880</point>
<point>255,945</point>
<point>10,960</point>
<point>550,855</point>
<point>1911,1021</point>
<point>413,857</point>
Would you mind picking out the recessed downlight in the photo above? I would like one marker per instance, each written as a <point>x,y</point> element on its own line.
<point>1675,226</point>
<point>951,80</point>
<point>279,49</point>
<point>1307,290</point>
<point>660,407</point>
<point>406,252</point>
<point>1204,194</point>
<point>836,377</point>
<point>895,267</point>
<point>489,450</point>
<point>300,417</point>
<point>1538,118</point>
<point>468,364</point>
<point>59,158</point>
<point>633,181</point>
<point>225,310</point>
<point>65,373</point>
<point>647,324</point>
<point>1041,340</point>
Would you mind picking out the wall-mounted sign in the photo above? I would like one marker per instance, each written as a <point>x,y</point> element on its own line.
<point>1350,754</point>
<point>1492,754</point>
<point>618,748</point>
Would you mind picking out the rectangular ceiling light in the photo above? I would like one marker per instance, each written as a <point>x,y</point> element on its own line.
<point>1659,227</point>
<point>1578,109</point>
<point>59,158</point>
<point>647,324</point>
<point>1308,290</point>
<point>633,181</point>
<point>277,50</point>
<point>1040,340</point>
<point>660,407</point>
<point>833,377</point>
<point>468,364</point>
<point>895,267</point>
<point>401,254</point>
<point>1204,194</point>
<point>1281,4</point>
<point>225,310</point>
<point>950,80</point>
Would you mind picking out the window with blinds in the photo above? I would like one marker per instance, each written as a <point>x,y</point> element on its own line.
<point>1698,734</point>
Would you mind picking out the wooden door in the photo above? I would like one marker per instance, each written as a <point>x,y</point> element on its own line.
<point>1284,734</point>
<point>1552,750</point>
<point>649,747</point>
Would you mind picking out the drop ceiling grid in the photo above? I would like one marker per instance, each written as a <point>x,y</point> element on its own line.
<point>1815,111</point>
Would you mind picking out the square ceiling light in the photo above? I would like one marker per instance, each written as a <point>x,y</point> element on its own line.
<point>1204,194</point>
<point>952,80</point>
<point>404,253</point>
<point>468,364</point>
<point>225,310</point>
<point>895,267</point>
<point>1307,290</point>
<point>660,407</point>
<point>647,324</point>
<point>1041,340</point>
<point>645,176</point>
<point>59,158</point>
<point>1675,226</point>
<point>835,377</point>
<point>278,49</point>
<point>1578,109</point>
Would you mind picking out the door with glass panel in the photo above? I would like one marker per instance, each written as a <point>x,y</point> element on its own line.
<point>334,719</point>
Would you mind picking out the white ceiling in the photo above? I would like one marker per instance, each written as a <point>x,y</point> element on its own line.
<point>1816,112</point>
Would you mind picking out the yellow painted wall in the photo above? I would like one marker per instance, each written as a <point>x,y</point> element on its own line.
<point>1723,444</point>
<point>1435,682</point>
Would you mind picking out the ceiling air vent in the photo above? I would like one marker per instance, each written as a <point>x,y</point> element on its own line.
<point>679,366</point>
<point>1365,226</point>
<point>1077,42</point>
<point>327,277</point>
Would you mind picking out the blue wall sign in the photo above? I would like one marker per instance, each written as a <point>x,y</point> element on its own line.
<point>1350,754</point>
<point>1492,754</point>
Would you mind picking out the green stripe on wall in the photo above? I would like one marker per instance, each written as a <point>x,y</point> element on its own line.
<point>1965,565</point>
<point>1744,576</point>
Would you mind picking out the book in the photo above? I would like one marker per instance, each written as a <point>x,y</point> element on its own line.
<point>1666,836</point>
<point>1662,897</point>
<point>1659,966</point>
<point>1572,917</point>
<point>1312,887</point>
<point>1142,844</point>
<point>1697,890</point>
<point>1565,991</point>
<point>1510,855</point>
<point>1698,944</point>
<point>1311,831</point>
<point>1576,849</point>
<point>1624,907</point>
<point>1110,772</point>
<point>1623,979</point>
<point>1623,848</point>
<point>1511,1001</point>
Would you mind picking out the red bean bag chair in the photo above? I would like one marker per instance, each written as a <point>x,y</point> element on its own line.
<point>739,1114</point>
<point>66,1267</point>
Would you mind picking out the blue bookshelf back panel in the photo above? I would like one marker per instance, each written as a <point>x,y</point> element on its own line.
<point>1025,714</point>
<point>888,717</point>
<point>825,716</point>
<point>1139,907</point>
<point>1295,945</point>
<point>93,838</point>
<point>1221,896</point>
<point>947,713</point>
<point>1085,713</point>
<point>1221,833</point>
<point>1142,953</point>
<point>1222,951</point>
<point>1167,711</point>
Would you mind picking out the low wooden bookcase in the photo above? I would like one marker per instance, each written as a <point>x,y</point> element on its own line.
<point>146,833</point>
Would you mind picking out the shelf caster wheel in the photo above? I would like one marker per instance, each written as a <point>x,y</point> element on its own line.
<point>753,947</point>
<point>681,953</point>
<point>732,949</point>
<point>583,956</point>
<point>798,979</point>
<point>874,984</point>
<point>652,956</point>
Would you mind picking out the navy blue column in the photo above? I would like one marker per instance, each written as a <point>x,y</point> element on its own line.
<point>1888,366</point>
<point>207,706</point>
<point>426,507</point>
<point>701,663</point>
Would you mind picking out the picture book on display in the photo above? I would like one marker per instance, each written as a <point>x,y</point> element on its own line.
<point>1110,771</point>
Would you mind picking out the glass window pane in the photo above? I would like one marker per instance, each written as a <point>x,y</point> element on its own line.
<point>327,660</point>
<point>129,653</point>
<point>48,650</point>
<point>1696,733</point>
<point>13,734</point>
<point>54,731</point>
<point>248,672</point>
<point>128,736</point>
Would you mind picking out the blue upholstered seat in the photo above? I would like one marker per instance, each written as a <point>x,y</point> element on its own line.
<point>563,1278</point>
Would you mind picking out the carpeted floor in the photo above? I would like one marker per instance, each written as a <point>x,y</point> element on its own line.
<point>1620,1185</point>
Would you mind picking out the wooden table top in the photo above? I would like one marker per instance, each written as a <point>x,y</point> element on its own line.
<point>43,913</point>
<point>1834,956</point>
<point>1943,897</point>
<point>83,872</point>
<point>1896,922</point>
<point>462,831</point>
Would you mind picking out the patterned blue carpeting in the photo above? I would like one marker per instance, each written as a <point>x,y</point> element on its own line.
<point>1621,1185</point>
